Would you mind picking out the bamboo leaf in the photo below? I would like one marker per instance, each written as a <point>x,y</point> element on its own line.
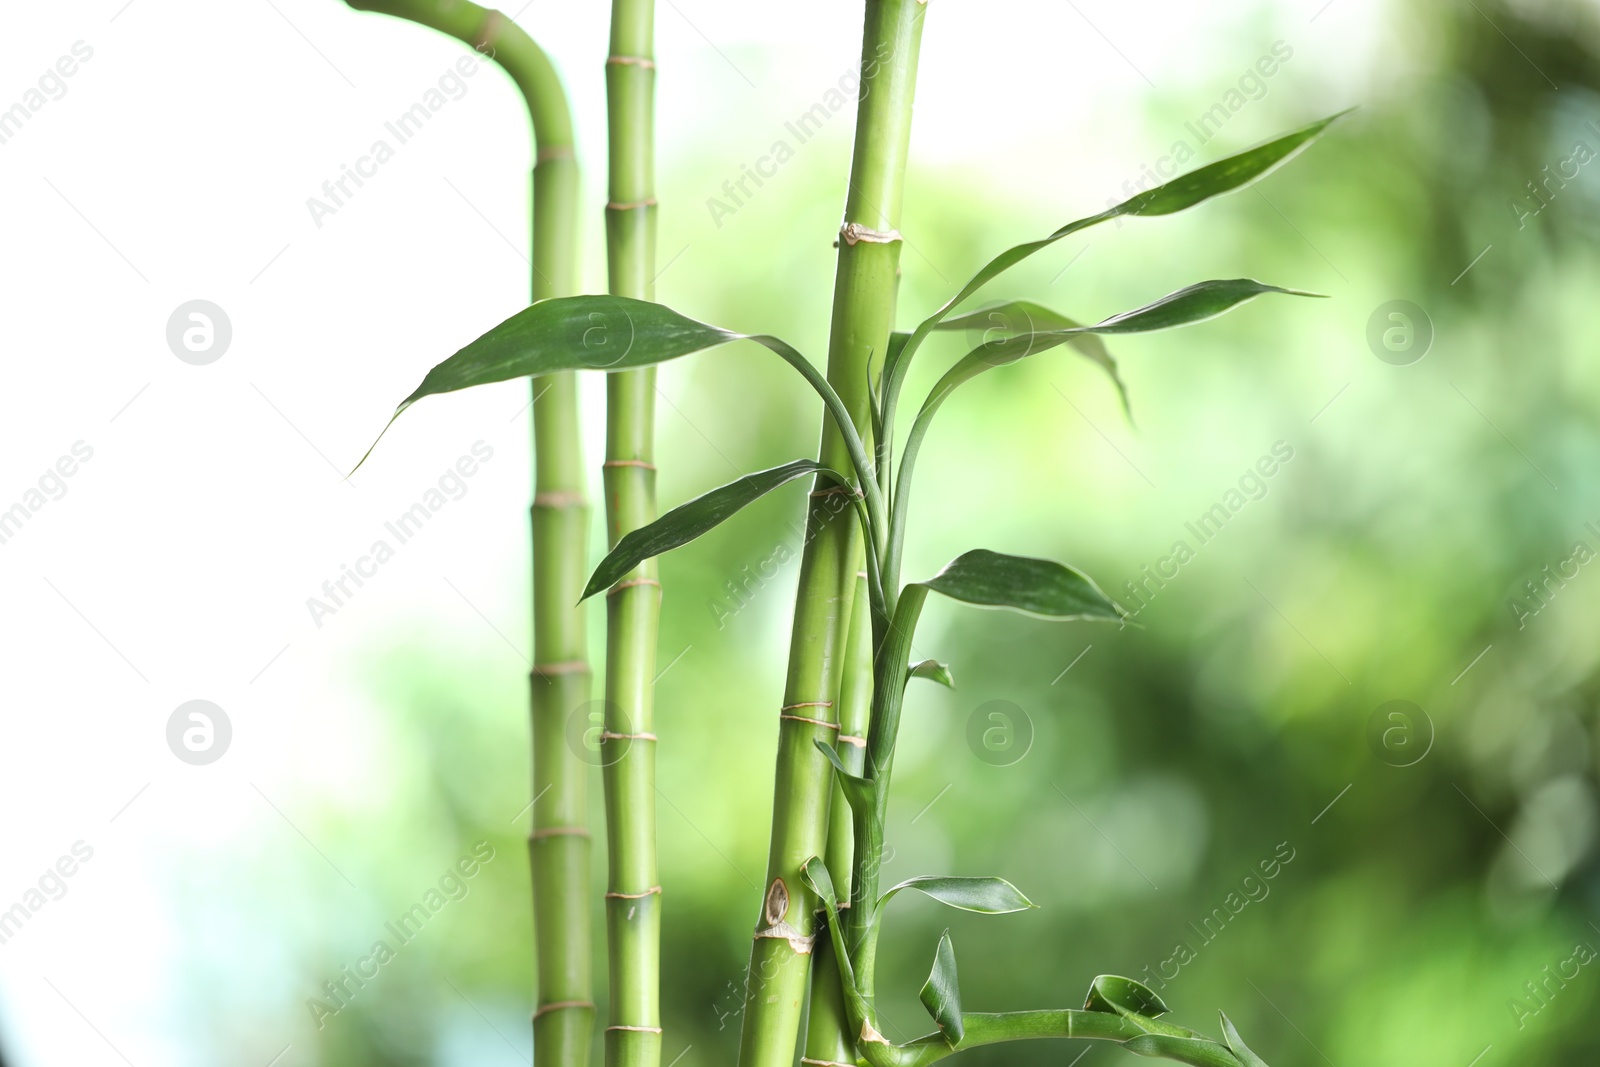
<point>941,993</point>
<point>1036,586</point>
<point>1237,1046</point>
<point>1182,1049</point>
<point>614,333</point>
<point>1184,191</point>
<point>1022,318</point>
<point>986,896</point>
<point>934,671</point>
<point>814,873</point>
<point>688,521</point>
<point>1123,996</point>
<point>857,790</point>
<point>1194,303</point>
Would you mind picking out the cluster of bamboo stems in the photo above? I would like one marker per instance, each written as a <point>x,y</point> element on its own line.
<point>820,912</point>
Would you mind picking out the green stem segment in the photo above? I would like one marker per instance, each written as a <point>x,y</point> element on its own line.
<point>633,606</point>
<point>558,844</point>
<point>829,1036</point>
<point>863,311</point>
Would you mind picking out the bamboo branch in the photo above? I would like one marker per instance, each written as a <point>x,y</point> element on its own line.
<point>558,843</point>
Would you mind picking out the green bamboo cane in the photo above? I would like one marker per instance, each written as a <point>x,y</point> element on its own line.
<point>829,1038</point>
<point>633,606</point>
<point>864,288</point>
<point>558,844</point>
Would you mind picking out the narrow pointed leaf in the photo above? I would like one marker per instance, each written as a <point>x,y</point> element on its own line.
<point>1195,303</point>
<point>1022,318</point>
<point>987,896</point>
<point>814,873</point>
<point>857,790</point>
<point>611,333</point>
<point>1182,1049</point>
<point>688,521</point>
<point>1123,996</point>
<point>1185,191</point>
<point>1036,586</point>
<point>934,671</point>
<point>1237,1046</point>
<point>941,993</point>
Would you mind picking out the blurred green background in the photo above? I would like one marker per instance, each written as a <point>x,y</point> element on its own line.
<point>1433,871</point>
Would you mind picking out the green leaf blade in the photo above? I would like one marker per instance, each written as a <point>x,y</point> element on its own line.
<point>1038,587</point>
<point>933,671</point>
<point>1237,1046</point>
<point>688,521</point>
<point>572,333</point>
<point>1123,996</point>
<point>984,895</point>
<point>1191,304</point>
<point>941,993</point>
<point>1023,318</point>
<point>1225,175</point>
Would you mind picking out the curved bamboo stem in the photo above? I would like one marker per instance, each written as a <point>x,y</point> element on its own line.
<point>559,684</point>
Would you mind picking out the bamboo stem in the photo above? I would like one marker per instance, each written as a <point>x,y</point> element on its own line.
<point>633,898</point>
<point>558,843</point>
<point>829,1036</point>
<point>864,287</point>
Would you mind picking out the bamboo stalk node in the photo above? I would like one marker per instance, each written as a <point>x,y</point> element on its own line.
<point>852,739</point>
<point>488,33</point>
<point>632,206</point>
<point>630,583</point>
<point>808,704</point>
<point>610,736</point>
<point>628,462</point>
<point>813,722</point>
<point>563,1005</point>
<point>560,499</point>
<point>824,1063</point>
<point>559,831</point>
<point>652,891</point>
<point>854,233</point>
<point>550,152</point>
<point>870,1033</point>
<point>632,61</point>
<point>637,1029</point>
<point>570,666</point>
